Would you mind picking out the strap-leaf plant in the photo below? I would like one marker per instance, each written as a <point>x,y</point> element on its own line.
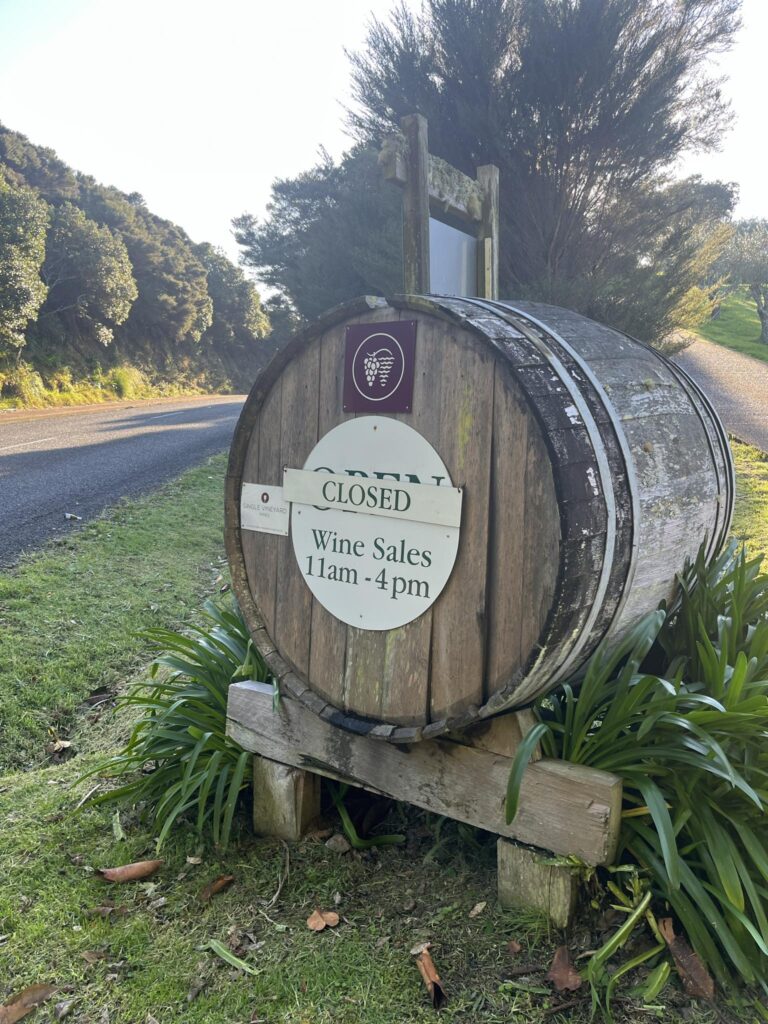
<point>179,760</point>
<point>680,711</point>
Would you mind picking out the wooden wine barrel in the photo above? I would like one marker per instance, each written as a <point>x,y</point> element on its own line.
<point>588,468</point>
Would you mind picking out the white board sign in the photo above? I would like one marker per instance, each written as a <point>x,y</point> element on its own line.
<point>264,508</point>
<point>395,499</point>
<point>374,571</point>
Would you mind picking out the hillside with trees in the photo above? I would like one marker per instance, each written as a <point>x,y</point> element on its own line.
<point>584,106</point>
<point>97,292</point>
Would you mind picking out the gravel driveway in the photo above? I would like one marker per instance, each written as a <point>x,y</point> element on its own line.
<point>737,386</point>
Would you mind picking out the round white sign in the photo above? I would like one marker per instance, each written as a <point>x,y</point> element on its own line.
<point>362,557</point>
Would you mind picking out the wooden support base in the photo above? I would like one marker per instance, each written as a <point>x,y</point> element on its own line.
<point>526,880</point>
<point>285,800</point>
<point>565,808</point>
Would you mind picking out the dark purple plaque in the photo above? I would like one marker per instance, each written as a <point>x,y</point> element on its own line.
<point>378,367</point>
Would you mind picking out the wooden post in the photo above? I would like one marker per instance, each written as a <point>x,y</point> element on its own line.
<point>488,237</point>
<point>285,800</point>
<point>527,879</point>
<point>416,206</point>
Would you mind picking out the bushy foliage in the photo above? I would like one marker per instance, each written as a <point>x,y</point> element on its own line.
<point>331,234</point>
<point>88,274</point>
<point>179,761</point>
<point>679,710</point>
<point>23,223</point>
<point>124,286</point>
<point>583,106</point>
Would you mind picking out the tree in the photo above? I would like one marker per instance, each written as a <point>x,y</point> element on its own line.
<point>237,312</point>
<point>746,260</point>
<point>88,275</point>
<point>23,223</point>
<point>583,104</point>
<point>173,305</point>
<point>332,233</point>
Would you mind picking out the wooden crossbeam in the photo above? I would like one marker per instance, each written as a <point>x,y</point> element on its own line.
<point>565,808</point>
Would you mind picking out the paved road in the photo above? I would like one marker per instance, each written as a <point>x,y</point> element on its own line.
<point>80,461</point>
<point>737,386</point>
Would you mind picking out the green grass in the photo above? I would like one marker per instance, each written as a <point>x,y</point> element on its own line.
<point>360,972</point>
<point>750,521</point>
<point>737,327</point>
<point>22,387</point>
<point>69,614</point>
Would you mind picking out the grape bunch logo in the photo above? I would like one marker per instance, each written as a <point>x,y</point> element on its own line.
<point>379,367</point>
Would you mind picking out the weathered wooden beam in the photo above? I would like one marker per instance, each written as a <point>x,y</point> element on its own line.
<point>451,192</point>
<point>565,808</point>
<point>285,800</point>
<point>416,206</point>
<point>527,878</point>
<point>502,734</point>
<point>488,262</point>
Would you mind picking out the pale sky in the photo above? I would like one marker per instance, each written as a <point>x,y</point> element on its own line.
<point>200,104</point>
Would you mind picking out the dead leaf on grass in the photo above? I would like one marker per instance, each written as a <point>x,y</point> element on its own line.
<point>106,910</point>
<point>478,908</point>
<point>562,973</point>
<point>25,1002</point>
<point>130,872</point>
<point>217,885</point>
<point>62,1009</point>
<point>198,987</point>
<point>429,975</point>
<point>696,979</point>
<point>514,947</point>
<point>194,860</point>
<point>318,920</point>
<point>92,956</point>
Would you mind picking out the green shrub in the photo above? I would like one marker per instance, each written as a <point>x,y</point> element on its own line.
<point>127,381</point>
<point>179,760</point>
<point>24,384</point>
<point>680,711</point>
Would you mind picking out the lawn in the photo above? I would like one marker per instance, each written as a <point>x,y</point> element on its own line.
<point>69,616</point>
<point>737,327</point>
<point>750,521</point>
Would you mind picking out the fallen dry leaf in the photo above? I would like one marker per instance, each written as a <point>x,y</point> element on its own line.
<point>696,979</point>
<point>59,745</point>
<point>194,860</point>
<point>130,872</point>
<point>478,908</point>
<point>25,1002</point>
<point>320,919</point>
<point>514,947</point>
<point>92,956</point>
<point>429,974</point>
<point>62,1009</point>
<point>198,987</point>
<point>562,973</point>
<point>106,910</point>
<point>217,885</point>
